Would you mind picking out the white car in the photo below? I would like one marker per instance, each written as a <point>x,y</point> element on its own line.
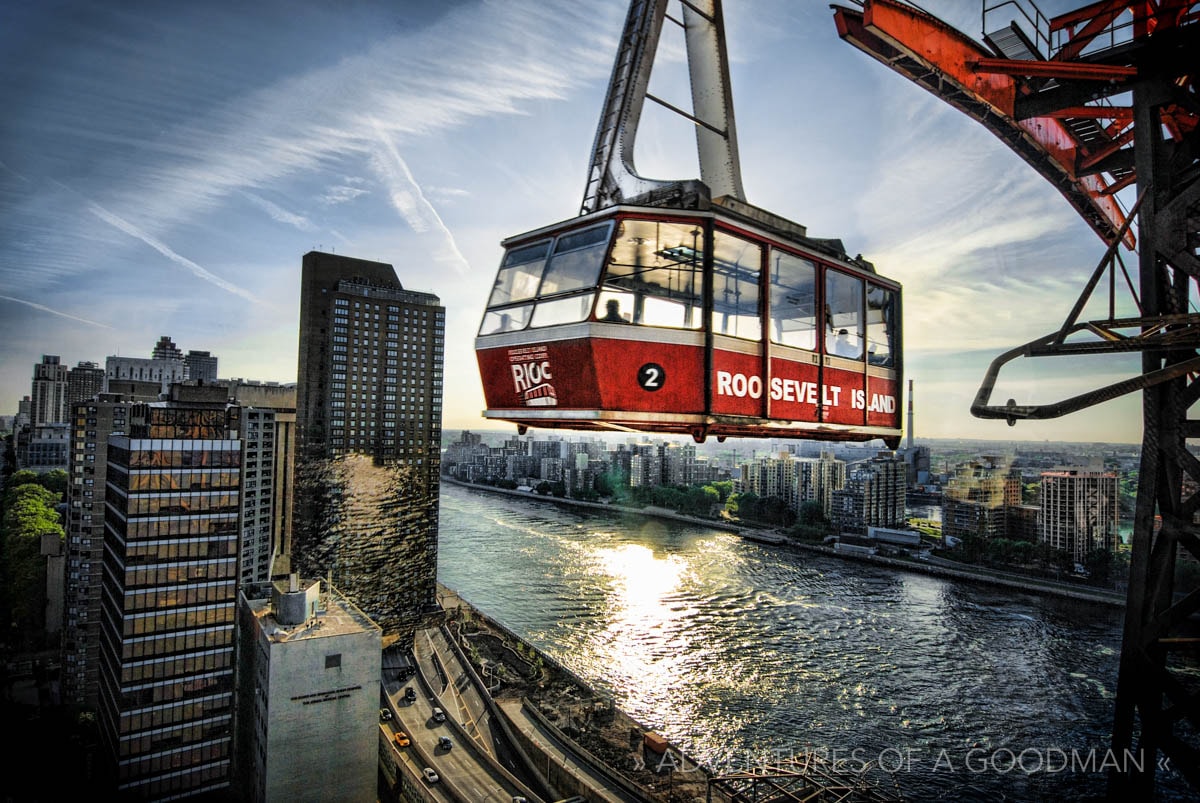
<point>430,775</point>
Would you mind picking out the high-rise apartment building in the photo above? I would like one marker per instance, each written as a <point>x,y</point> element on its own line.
<point>200,366</point>
<point>645,465</point>
<point>796,480</point>
<point>873,496</point>
<point>267,433</point>
<point>978,496</point>
<point>168,608</point>
<point>165,349</point>
<point>84,381</point>
<point>1079,511</point>
<point>49,393</point>
<point>368,421</point>
<point>92,423</point>
<point>310,665</point>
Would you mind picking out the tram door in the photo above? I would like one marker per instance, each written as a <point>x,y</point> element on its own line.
<point>738,381</point>
<point>794,389</point>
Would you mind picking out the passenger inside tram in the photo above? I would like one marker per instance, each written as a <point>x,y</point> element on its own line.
<point>613,313</point>
<point>842,346</point>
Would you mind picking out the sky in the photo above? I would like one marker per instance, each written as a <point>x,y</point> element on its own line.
<point>165,166</point>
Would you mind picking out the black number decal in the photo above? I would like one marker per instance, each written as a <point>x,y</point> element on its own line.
<point>651,376</point>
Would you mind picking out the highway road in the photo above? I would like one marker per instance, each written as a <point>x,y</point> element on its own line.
<point>465,774</point>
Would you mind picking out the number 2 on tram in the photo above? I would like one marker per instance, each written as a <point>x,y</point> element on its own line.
<point>704,322</point>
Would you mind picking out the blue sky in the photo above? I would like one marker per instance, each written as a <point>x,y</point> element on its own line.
<point>165,166</point>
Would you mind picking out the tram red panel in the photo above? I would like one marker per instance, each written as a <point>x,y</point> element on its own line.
<point>844,398</point>
<point>596,373</point>
<point>738,385</point>
<point>539,376</point>
<point>644,376</point>
<point>795,390</point>
<point>883,402</point>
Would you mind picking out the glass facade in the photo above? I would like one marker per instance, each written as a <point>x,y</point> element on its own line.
<point>368,418</point>
<point>172,507</point>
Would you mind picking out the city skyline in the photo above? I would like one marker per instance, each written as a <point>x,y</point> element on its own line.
<point>150,189</point>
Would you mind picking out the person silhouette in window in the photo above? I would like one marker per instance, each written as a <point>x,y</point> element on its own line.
<point>613,312</point>
<point>842,347</point>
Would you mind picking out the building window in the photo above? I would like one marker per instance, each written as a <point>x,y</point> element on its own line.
<point>333,661</point>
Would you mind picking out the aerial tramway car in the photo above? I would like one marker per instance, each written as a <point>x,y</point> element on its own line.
<point>723,321</point>
<point>677,307</point>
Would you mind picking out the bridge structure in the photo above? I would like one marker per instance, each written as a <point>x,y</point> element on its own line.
<point>1099,100</point>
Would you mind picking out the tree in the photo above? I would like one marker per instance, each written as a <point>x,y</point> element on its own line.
<point>724,489</point>
<point>811,512</point>
<point>28,515</point>
<point>1099,564</point>
<point>55,481</point>
<point>22,477</point>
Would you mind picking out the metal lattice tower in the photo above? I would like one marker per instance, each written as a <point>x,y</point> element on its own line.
<point>1097,100</point>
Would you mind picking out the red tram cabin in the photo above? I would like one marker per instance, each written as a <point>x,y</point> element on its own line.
<point>727,321</point>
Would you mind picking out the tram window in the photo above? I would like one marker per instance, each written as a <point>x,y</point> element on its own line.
<point>508,319</point>
<point>655,274</point>
<point>736,267</point>
<point>520,273</point>
<point>843,315</point>
<point>881,325</point>
<point>576,261</point>
<point>570,309</point>
<point>793,301</point>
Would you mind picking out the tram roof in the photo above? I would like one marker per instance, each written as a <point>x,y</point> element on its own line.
<point>693,201</point>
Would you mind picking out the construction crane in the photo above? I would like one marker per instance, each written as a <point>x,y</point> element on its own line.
<point>1097,100</point>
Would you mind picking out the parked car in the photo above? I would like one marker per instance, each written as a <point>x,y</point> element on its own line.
<point>401,739</point>
<point>385,715</point>
<point>430,775</point>
<point>439,715</point>
<point>444,743</point>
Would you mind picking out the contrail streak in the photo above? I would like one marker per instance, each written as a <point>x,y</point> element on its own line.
<point>162,248</point>
<point>44,308</point>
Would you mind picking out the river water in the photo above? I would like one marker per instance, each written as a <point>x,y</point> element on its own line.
<point>740,652</point>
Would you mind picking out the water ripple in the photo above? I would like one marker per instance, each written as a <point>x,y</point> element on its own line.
<point>732,648</point>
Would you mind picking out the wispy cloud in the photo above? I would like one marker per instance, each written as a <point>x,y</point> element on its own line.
<point>8,169</point>
<point>44,308</point>
<point>446,193</point>
<point>350,188</point>
<point>278,213</point>
<point>408,199</point>
<point>162,248</point>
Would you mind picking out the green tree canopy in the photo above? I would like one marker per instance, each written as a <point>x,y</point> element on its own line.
<point>55,480</point>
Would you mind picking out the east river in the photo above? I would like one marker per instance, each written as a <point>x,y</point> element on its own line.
<point>742,653</point>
